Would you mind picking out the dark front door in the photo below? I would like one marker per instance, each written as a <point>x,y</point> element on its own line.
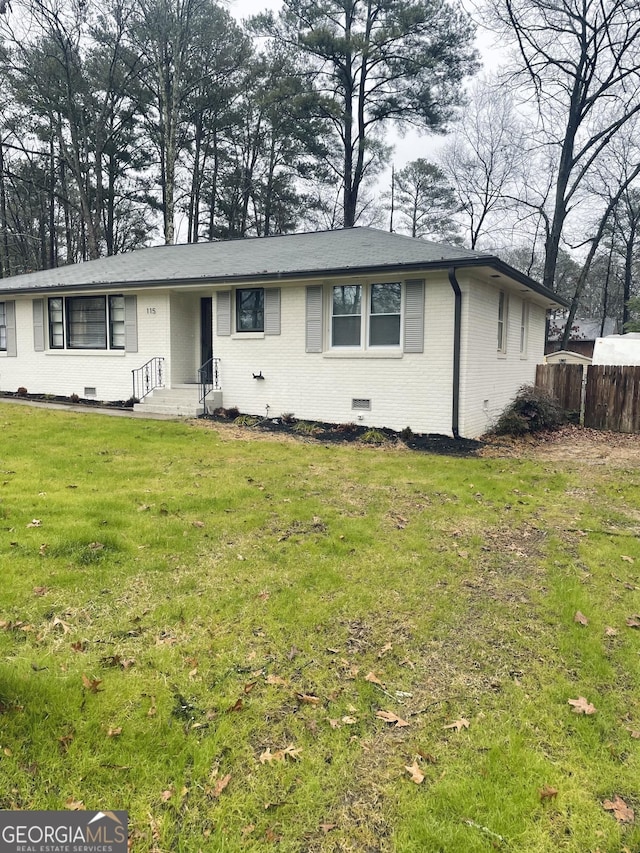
<point>206,334</point>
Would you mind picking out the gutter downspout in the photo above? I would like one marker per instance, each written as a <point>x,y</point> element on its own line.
<point>457,334</point>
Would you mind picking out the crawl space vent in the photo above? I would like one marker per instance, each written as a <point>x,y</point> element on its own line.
<point>90,392</point>
<point>361,404</point>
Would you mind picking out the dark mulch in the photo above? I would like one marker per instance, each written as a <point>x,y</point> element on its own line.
<point>351,432</point>
<point>70,401</point>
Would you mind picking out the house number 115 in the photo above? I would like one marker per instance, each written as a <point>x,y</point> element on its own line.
<point>151,310</point>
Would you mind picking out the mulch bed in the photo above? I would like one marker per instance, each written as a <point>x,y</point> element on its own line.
<point>325,433</point>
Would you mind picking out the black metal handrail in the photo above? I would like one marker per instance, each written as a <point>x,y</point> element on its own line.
<point>148,377</point>
<point>209,378</point>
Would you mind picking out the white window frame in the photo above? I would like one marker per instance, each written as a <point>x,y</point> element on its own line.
<point>503,322</point>
<point>524,329</point>
<point>364,344</point>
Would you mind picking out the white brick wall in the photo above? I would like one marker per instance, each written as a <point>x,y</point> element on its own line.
<point>407,390</point>
<point>67,372</point>
<point>490,380</point>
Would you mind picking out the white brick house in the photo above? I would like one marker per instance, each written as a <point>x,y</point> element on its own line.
<point>338,326</point>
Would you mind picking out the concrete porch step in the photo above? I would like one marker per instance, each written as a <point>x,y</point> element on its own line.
<point>181,401</point>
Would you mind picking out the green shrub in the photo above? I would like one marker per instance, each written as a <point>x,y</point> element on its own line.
<point>532,410</point>
<point>374,436</point>
<point>247,420</point>
<point>308,428</point>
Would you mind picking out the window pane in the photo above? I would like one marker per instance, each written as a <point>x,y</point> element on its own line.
<point>250,310</point>
<point>56,326</point>
<point>384,330</point>
<point>386,298</point>
<point>346,331</point>
<point>116,322</point>
<point>86,322</point>
<point>347,299</point>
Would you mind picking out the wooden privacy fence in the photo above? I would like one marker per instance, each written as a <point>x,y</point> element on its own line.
<point>563,382</point>
<point>611,398</point>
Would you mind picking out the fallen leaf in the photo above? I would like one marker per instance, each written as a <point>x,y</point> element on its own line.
<point>621,811</point>
<point>220,785</point>
<point>114,731</point>
<point>327,827</point>
<point>634,734</point>
<point>35,523</point>
<point>307,699</point>
<point>458,725</point>
<point>7,752</point>
<point>272,836</point>
<point>198,523</point>
<point>372,678</point>
<point>627,559</point>
<point>335,724</point>
<point>386,648</point>
<point>633,621</point>
<point>581,706</point>
<point>610,632</point>
<point>65,628</point>
<point>165,796</point>
<point>293,653</point>
<point>249,686</point>
<point>291,752</point>
<point>415,773</point>
<point>264,595</point>
<point>390,717</point>
<point>65,741</point>
<point>580,618</point>
<point>428,757</point>
<point>349,721</point>
<point>40,590</point>
<point>96,546</point>
<point>74,805</point>
<point>152,710</point>
<point>548,793</point>
<point>239,705</point>
<point>276,679</point>
<point>91,684</point>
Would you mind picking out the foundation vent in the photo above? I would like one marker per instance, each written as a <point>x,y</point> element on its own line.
<point>90,392</point>
<point>361,404</point>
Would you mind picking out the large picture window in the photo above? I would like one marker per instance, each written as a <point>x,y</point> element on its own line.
<point>87,322</point>
<point>250,310</point>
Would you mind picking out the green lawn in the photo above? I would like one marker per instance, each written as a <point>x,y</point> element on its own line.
<point>201,628</point>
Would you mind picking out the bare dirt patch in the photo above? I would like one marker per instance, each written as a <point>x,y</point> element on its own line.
<point>570,444</point>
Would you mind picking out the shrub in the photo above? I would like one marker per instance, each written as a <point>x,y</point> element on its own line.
<point>374,436</point>
<point>532,410</point>
<point>246,420</point>
<point>22,391</point>
<point>406,434</point>
<point>307,428</point>
<point>288,418</point>
<point>74,398</point>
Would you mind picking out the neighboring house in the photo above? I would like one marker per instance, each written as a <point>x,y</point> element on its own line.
<point>565,356</point>
<point>583,334</point>
<point>338,326</point>
<point>618,349</point>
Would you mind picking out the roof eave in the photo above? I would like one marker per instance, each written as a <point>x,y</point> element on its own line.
<point>260,278</point>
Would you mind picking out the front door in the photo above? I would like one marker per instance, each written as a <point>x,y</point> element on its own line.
<point>206,334</point>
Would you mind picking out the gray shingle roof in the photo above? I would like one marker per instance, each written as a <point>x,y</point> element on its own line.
<point>260,258</point>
